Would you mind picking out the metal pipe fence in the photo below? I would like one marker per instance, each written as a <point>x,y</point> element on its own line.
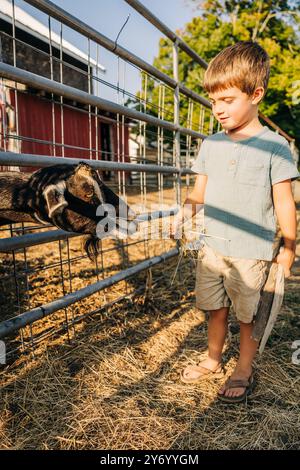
<point>143,144</point>
<point>158,170</point>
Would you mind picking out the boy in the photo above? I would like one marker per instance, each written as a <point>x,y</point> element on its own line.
<point>244,175</point>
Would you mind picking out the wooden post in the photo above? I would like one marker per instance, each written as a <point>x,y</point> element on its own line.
<point>270,301</point>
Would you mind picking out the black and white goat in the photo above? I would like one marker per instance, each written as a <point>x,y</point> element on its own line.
<point>72,197</point>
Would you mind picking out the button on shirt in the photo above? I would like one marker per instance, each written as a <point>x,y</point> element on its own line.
<point>238,202</point>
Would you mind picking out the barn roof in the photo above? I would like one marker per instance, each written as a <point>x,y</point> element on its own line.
<point>31,25</point>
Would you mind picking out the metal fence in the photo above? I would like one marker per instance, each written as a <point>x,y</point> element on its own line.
<point>48,286</point>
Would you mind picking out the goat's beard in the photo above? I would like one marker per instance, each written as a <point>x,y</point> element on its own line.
<point>91,245</point>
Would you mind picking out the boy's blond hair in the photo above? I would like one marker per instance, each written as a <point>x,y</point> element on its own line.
<point>245,65</point>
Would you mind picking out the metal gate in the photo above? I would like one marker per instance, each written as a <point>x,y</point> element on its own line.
<point>145,150</point>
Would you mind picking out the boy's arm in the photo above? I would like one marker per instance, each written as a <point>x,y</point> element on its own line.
<point>196,197</point>
<point>285,209</point>
<point>193,203</point>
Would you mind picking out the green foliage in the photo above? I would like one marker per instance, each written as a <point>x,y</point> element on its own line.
<point>218,24</point>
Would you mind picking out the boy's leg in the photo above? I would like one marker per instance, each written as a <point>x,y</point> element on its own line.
<point>217,330</point>
<point>210,292</point>
<point>244,281</point>
<point>243,369</point>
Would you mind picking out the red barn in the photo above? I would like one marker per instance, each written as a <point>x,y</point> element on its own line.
<point>35,122</point>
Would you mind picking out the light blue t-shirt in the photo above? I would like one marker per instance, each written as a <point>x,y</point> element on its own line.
<point>238,204</point>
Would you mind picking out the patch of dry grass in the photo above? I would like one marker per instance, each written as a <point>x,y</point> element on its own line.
<point>116,384</point>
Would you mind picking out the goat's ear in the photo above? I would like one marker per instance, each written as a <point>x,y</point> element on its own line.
<point>98,177</point>
<point>55,199</point>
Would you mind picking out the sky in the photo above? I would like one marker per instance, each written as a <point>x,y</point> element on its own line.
<point>138,36</point>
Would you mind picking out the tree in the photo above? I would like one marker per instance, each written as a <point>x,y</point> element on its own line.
<point>218,24</point>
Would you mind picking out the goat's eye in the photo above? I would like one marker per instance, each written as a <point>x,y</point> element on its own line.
<point>88,190</point>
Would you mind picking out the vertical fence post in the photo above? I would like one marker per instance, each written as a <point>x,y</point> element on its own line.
<point>176,161</point>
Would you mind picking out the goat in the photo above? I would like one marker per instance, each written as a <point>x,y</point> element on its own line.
<point>67,196</point>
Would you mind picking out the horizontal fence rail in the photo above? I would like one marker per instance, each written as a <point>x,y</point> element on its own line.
<point>9,326</point>
<point>33,239</point>
<point>42,83</point>
<point>61,15</point>
<point>22,159</point>
<point>146,13</point>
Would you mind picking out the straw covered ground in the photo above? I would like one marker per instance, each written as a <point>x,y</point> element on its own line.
<point>115,384</point>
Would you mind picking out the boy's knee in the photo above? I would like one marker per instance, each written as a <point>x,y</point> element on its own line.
<point>220,313</point>
<point>246,324</point>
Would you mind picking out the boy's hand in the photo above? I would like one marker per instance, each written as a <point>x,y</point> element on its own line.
<point>286,258</point>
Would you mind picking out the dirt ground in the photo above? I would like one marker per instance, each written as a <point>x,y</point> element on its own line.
<point>115,383</point>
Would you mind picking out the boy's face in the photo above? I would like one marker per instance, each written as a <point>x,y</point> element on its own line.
<point>232,107</point>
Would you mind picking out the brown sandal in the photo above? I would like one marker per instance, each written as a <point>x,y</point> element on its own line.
<point>247,384</point>
<point>205,374</point>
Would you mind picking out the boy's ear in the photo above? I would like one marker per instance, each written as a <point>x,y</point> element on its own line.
<point>258,95</point>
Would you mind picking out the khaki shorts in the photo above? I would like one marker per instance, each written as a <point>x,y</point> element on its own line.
<point>222,281</point>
